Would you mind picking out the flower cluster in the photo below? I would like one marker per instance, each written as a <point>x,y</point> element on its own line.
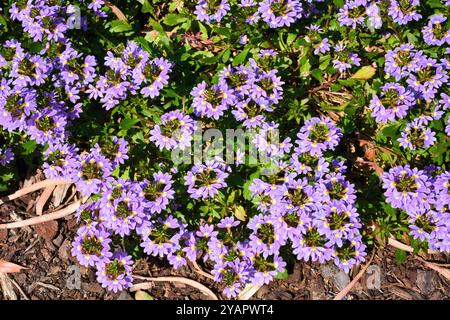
<point>92,115</point>
<point>417,81</point>
<point>275,13</point>
<point>424,196</point>
<point>130,72</point>
<point>50,20</point>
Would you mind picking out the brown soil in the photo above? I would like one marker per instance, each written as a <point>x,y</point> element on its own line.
<point>45,251</point>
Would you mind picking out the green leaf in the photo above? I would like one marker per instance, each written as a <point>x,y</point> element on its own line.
<point>282,275</point>
<point>317,73</point>
<point>28,147</point>
<point>240,57</point>
<point>226,55</point>
<point>146,6</point>
<point>119,26</point>
<point>390,130</point>
<point>365,73</point>
<point>172,19</point>
<point>128,123</point>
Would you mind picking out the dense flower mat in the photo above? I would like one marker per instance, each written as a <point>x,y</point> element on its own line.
<point>109,95</point>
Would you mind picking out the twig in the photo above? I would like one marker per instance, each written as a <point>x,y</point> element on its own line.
<point>34,187</point>
<point>444,272</point>
<point>22,293</point>
<point>48,286</point>
<point>399,245</point>
<point>349,287</point>
<point>47,217</point>
<point>6,286</point>
<point>201,272</point>
<point>248,292</point>
<point>189,282</point>
<point>43,199</point>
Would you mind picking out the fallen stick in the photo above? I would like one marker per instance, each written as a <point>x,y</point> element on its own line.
<point>24,296</point>
<point>201,272</point>
<point>47,217</point>
<point>248,292</point>
<point>349,287</point>
<point>34,187</point>
<point>43,199</point>
<point>189,282</point>
<point>443,271</point>
<point>400,245</point>
<point>6,286</point>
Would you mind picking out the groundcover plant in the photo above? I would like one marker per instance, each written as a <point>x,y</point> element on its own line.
<point>242,135</point>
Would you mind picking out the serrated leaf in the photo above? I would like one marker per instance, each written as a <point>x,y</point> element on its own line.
<point>365,73</point>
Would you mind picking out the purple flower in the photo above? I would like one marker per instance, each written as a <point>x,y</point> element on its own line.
<point>161,236</point>
<point>322,47</point>
<point>156,75</point>
<point>175,131</point>
<point>336,187</point>
<point>337,221</point>
<point>59,160</point>
<point>349,254</point>
<point>265,269</point>
<point>238,80</point>
<point>267,236</point>
<point>157,192</point>
<point>402,60</point>
<point>6,156</point>
<point>393,103</point>
<point>445,101</point>
<point>91,246</point>
<point>210,11</point>
<point>352,13</point>
<point>427,225</point>
<point>124,215</point>
<point>205,180</point>
<point>318,135</point>
<point>243,39</point>
<point>403,12</point>
<point>417,136</point>
<point>115,273</point>
<point>211,101</point>
<point>427,78</point>
<point>47,127</point>
<point>228,223</point>
<point>90,173</point>
<point>343,59</point>
<point>406,188</point>
<point>114,149</point>
<point>311,245</point>
<point>280,13</point>
<point>434,33</point>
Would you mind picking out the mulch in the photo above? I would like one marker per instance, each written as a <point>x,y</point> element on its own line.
<point>45,250</point>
